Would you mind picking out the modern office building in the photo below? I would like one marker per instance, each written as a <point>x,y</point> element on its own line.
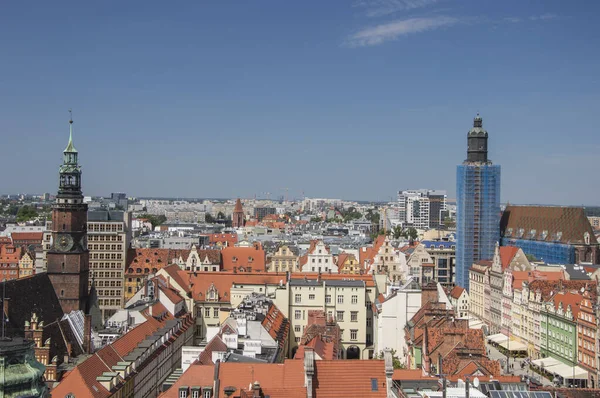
<point>478,204</point>
<point>109,237</point>
<point>421,208</point>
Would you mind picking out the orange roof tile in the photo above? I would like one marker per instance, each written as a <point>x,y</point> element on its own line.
<point>129,341</point>
<point>27,236</point>
<point>223,281</point>
<point>456,292</point>
<point>507,253</point>
<point>334,377</point>
<point>243,258</point>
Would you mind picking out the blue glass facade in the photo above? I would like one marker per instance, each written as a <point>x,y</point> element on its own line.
<point>477,215</point>
<point>550,252</point>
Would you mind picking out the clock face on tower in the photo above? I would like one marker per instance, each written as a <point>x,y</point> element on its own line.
<point>64,243</point>
<point>84,242</point>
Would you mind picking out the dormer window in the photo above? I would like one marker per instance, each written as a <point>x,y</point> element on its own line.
<point>234,259</point>
<point>586,238</point>
<point>532,233</point>
<point>544,234</point>
<point>520,232</point>
<point>509,231</point>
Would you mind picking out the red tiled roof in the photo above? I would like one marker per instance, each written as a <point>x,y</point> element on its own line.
<point>246,257</point>
<point>571,222</point>
<point>548,287</point>
<point>215,344</point>
<point>223,281</point>
<point>129,341</point>
<point>171,294</point>
<point>27,236</point>
<point>353,377</point>
<point>179,276</point>
<point>456,292</point>
<point>277,325</point>
<point>507,253</point>
<point>228,239</point>
<point>368,279</point>
<point>409,374</point>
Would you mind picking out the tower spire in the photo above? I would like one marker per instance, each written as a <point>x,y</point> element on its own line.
<point>70,147</point>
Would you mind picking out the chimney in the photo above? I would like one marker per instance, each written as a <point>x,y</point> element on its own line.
<point>309,370</point>
<point>429,294</point>
<point>256,389</point>
<point>389,370</point>
<point>467,387</point>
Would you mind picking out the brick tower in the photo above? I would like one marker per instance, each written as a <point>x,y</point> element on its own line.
<point>67,258</point>
<point>237,220</point>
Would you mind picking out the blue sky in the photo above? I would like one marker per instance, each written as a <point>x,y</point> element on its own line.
<point>350,99</point>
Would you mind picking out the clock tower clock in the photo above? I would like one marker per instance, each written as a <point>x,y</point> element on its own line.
<point>68,256</point>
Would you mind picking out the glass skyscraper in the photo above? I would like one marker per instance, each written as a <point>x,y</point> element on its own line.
<point>477,205</point>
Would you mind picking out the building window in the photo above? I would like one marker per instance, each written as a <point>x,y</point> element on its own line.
<point>353,334</point>
<point>297,328</point>
<point>354,299</point>
<point>328,299</point>
<point>354,316</point>
<point>340,316</point>
<point>340,299</point>
<point>297,339</point>
<point>311,296</point>
<point>297,298</point>
<point>207,312</point>
<point>216,312</point>
<point>297,314</point>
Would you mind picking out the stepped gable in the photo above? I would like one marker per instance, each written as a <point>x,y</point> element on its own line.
<point>566,225</point>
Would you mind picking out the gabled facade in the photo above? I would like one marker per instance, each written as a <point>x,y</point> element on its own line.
<point>416,260</point>
<point>284,260</point>
<point>479,275</point>
<point>459,297</point>
<point>319,259</point>
<point>26,265</point>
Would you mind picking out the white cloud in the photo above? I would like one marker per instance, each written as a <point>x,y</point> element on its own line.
<point>389,31</point>
<point>513,19</point>
<point>379,8</point>
<point>543,17</point>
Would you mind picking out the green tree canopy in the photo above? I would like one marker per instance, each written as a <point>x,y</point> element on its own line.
<point>26,213</point>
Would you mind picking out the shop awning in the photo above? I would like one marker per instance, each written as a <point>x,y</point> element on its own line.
<point>513,345</point>
<point>546,362</point>
<point>497,338</point>
<point>568,372</point>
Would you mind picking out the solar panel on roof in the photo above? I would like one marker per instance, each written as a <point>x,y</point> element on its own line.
<point>494,394</point>
<point>497,385</point>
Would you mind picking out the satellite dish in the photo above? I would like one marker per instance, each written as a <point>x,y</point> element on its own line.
<point>476,382</point>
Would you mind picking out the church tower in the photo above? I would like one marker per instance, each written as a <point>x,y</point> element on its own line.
<point>237,220</point>
<point>67,258</point>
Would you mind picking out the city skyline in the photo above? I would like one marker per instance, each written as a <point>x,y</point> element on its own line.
<point>185,102</point>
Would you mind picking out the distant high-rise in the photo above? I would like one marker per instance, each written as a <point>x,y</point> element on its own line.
<point>477,204</point>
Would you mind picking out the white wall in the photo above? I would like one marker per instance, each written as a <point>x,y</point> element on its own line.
<point>395,313</point>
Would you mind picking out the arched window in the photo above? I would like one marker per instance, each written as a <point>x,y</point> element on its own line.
<point>62,293</point>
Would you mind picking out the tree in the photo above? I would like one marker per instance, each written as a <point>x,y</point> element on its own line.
<point>411,233</point>
<point>395,360</point>
<point>220,216</point>
<point>26,213</point>
<point>449,222</point>
<point>397,232</point>
<point>154,219</point>
<point>209,218</point>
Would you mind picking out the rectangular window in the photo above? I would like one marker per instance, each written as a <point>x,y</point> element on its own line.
<point>297,298</point>
<point>354,299</point>
<point>311,296</point>
<point>340,316</point>
<point>328,299</point>
<point>297,328</point>
<point>340,299</point>
<point>216,312</point>
<point>354,316</point>
<point>353,334</point>
<point>297,314</point>
<point>207,312</point>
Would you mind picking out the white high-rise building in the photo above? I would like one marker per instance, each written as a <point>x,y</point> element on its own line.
<point>421,208</point>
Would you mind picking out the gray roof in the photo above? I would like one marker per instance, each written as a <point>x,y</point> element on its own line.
<point>335,283</point>
<point>105,215</point>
